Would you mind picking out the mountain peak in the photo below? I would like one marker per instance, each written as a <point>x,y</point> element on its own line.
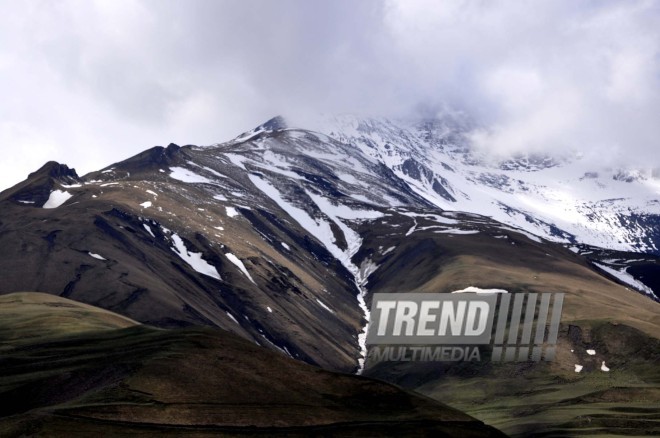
<point>36,189</point>
<point>149,160</point>
<point>277,123</point>
<point>56,170</point>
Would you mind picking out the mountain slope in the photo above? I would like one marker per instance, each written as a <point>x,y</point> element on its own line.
<point>186,382</point>
<point>100,248</point>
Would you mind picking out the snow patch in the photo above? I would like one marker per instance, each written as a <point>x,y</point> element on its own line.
<point>628,279</point>
<point>367,268</point>
<point>591,352</point>
<point>578,368</point>
<point>236,261</point>
<point>57,198</point>
<point>237,160</point>
<point>456,231</point>
<point>478,290</point>
<point>232,212</point>
<point>389,250</point>
<point>96,256</point>
<point>361,198</point>
<point>324,306</point>
<point>343,211</point>
<point>232,318</point>
<point>348,178</point>
<point>187,176</point>
<point>604,367</point>
<point>146,204</point>
<point>194,259</point>
<point>148,228</point>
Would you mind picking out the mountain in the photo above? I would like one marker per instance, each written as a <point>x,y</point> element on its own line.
<point>563,198</point>
<point>99,373</point>
<point>282,236</point>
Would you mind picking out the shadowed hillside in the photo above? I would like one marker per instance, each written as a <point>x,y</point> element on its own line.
<point>102,375</point>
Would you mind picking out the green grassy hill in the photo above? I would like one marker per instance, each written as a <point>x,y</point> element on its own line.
<point>102,374</point>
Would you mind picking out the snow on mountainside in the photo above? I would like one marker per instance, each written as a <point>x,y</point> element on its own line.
<point>558,198</point>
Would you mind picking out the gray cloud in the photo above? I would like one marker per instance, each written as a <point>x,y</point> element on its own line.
<point>92,82</point>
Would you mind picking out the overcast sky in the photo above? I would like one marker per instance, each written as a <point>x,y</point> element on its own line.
<point>89,83</point>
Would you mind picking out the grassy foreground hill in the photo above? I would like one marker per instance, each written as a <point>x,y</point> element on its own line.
<point>68,369</point>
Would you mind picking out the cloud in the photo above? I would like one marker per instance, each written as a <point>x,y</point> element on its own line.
<point>93,82</point>
<point>543,76</point>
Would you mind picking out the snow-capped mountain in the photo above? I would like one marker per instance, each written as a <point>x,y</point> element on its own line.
<point>283,234</point>
<point>565,198</point>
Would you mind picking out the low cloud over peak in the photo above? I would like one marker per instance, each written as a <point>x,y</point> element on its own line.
<point>89,83</point>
